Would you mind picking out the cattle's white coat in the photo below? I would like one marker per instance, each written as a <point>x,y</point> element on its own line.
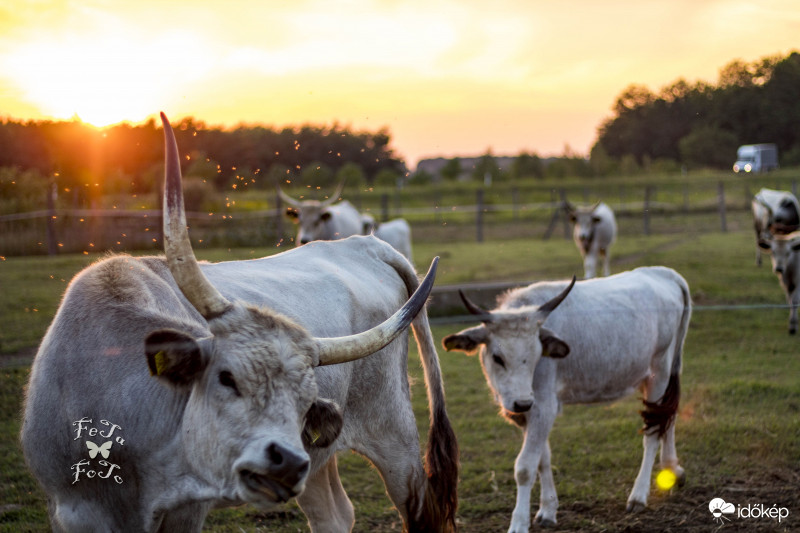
<point>785,254</point>
<point>594,232</point>
<point>396,232</point>
<point>237,411</point>
<point>774,213</point>
<point>624,332</point>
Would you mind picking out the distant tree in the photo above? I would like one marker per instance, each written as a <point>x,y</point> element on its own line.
<point>600,162</point>
<point>420,177</point>
<point>486,169</point>
<point>451,169</point>
<point>352,174</point>
<point>527,165</point>
<point>317,176</point>
<point>708,146</point>
<point>387,178</point>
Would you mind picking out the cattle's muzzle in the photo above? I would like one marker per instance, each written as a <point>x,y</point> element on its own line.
<point>283,476</point>
<point>522,406</point>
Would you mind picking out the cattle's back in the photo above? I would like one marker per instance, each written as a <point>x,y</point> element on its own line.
<point>612,325</point>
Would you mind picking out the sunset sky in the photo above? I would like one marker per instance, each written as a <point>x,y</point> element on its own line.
<point>445,77</point>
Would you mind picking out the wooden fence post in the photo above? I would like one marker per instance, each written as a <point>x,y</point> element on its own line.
<point>721,200</point>
<point>648,193</point>
<point>52,244</point>
<point>278,217</point>
<point>515,203</point>
<point>479,215</point>
<point>384,207</point>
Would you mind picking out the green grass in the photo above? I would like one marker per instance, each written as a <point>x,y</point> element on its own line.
<point>738,431</point>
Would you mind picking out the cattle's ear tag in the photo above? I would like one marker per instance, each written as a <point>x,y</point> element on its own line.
<point>161,362</point>
<point>315,436</point>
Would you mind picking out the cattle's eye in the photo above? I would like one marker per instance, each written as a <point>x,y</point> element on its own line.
<point>226,380</point>
<point>498,360</point>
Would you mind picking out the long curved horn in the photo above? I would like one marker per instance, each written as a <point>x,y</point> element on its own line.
<point>177,246</point>
<point>286,198</point>
<point>475,309</point>
<point>335,196</point>
<point>349,348</point>
<point>548,307</point>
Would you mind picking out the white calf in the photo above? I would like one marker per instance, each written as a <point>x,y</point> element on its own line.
<point>622,333</point>
<point>594,232</point>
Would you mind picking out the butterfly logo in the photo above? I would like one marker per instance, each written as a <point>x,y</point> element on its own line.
<point>104,449</point>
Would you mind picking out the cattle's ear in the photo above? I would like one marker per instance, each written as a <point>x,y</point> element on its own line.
<point>174,356</point>
<point>326,215</point>
<point>323,423</point>
<point>292,213</point>
<point>552,346</point>
<point>467,340</point>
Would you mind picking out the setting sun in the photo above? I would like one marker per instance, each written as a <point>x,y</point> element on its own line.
<point>445,79</point>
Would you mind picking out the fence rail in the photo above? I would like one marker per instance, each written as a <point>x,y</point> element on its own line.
<point>487,214</point>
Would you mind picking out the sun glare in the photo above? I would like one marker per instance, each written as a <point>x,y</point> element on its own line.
<point>102,80</point>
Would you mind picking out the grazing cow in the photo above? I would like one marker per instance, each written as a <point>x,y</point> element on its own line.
<point>246,404</point>
<point>594,232</point>
<point>786,264</point>
<point>541,348</point>
<point>326,221</point>
<point>774,213</point>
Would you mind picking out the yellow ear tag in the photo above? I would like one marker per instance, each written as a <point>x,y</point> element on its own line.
<point>161,362</point>
<point>316,434</point>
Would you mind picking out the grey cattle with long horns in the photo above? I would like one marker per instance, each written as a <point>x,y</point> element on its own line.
<point>166,387</point>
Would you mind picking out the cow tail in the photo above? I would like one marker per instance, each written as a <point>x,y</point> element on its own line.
<point>435,509</point>
<point>660,415</point>
<point>440,502</point>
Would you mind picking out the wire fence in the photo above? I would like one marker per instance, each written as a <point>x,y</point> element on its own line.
<point>435,216</point>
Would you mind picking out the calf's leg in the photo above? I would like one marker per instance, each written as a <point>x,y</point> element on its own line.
<point>535,454</point>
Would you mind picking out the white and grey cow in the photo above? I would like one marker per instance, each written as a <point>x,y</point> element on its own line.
<point>328,221</point>
<point>785,252</point>
<point>550,344</point>
<point>774,213</point>
<point>165,387</point>
<point>595,230</point>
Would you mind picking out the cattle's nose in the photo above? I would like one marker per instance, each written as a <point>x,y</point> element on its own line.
<point>522,406</point>
<point>285,465</point>
<point>305,241</point>
<point>779,270</point>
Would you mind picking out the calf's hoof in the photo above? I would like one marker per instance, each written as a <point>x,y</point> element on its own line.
<point>635,507</point>
<point>544,522</point>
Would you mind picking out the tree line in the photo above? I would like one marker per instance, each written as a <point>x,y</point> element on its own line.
<point>700,124</point>
<point>86,163</point>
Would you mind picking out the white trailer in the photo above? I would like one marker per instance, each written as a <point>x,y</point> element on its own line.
<point>756,158</point>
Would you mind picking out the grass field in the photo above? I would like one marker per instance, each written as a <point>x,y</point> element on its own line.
<point>738,430</point>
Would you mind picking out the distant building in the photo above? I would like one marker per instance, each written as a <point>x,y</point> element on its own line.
<point>435,165</point>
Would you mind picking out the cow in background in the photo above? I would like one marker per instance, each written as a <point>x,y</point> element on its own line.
<point>785,252</point>
<point>599,340</point>
<point>595,230</point>
<point>328,221</point>
<point>774,213</point>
